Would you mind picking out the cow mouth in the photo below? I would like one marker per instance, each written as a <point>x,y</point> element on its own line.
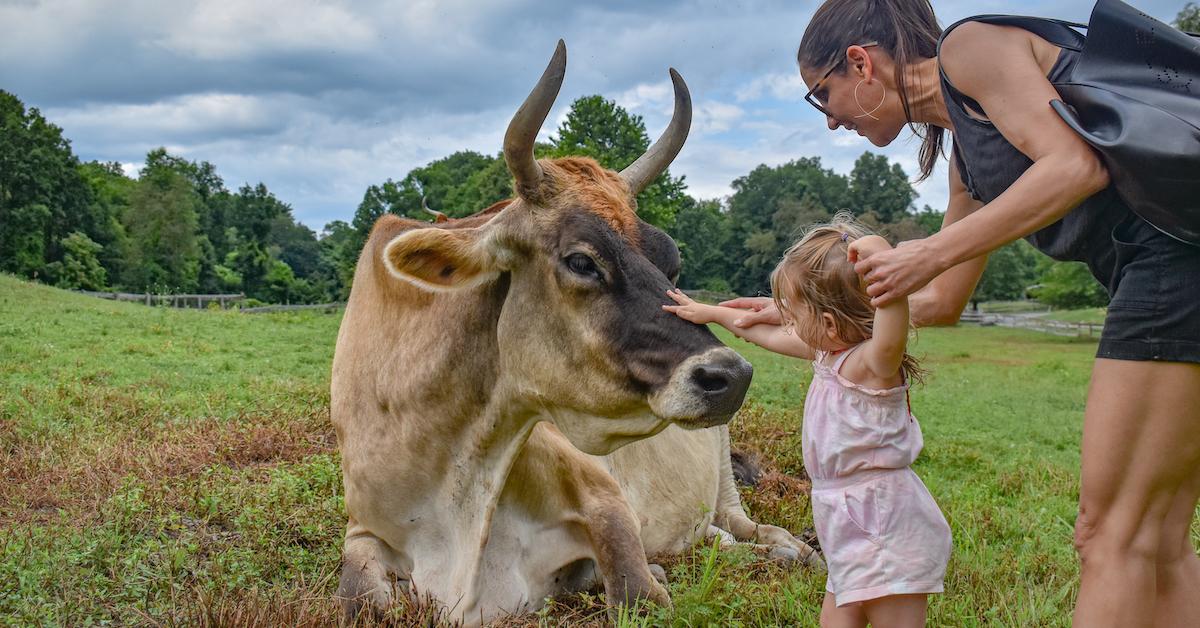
<point>705,390</point>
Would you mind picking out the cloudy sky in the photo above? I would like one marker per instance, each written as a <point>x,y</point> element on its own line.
<point>320,98</point>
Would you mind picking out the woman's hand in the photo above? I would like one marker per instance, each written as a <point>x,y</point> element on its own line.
<point>895,273</point>
<point>688,309</point>
<point>762,311</point>
<point>865,247</point>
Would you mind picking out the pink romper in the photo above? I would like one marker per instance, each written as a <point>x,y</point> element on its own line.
<point>880,529</point>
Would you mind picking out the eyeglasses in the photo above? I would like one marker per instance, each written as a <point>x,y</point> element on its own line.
<point>812,99</point>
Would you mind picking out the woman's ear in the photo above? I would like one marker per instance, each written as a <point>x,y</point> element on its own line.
<point>859,63</point>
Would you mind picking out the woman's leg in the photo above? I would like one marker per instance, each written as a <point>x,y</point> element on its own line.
<point>1177,572</point>
<point>851,616</point>
<point>1141,449</point>
<point>897,611</point>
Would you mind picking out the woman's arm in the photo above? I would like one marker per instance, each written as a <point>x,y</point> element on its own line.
<point>942,301</point>
<point>883,353</point>
<point>996,66</point>
<point>773,338</point>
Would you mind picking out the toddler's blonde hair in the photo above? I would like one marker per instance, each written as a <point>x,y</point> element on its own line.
<point>815,275</point>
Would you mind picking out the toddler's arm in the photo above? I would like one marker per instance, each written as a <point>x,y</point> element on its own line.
<point>770,337</point>
<point>884,352</point>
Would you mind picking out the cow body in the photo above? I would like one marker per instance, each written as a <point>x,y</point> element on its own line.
<point>516,414</point>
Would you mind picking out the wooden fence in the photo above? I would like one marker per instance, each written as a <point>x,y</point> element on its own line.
<point>328,307</point>
<point>1034,323</point>
<point>200,301</point>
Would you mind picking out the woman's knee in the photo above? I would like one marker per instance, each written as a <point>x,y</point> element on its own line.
<point>1134,532</point>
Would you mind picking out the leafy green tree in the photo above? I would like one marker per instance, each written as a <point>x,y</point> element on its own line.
<point>162,225</point>
<point>604,131</point>
<point>23,239</point>
<point>294,244</point>
<point>1070,285</point>
<point>881,187</point>
<point>280,284</point>
<point>43,198</point>
<point>1011,269</point>
<point>702,232</point>
<point>80,267</point>
<point>252,263</point>
<point>214,205</point>
<point>1189,18</point>
<point>481,189</point>
<point>111,191</point>
<point>768,207</point>
<point>339,253</point>
<point>930,219</point>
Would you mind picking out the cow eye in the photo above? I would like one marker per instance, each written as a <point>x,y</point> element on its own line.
<point>582,265</point>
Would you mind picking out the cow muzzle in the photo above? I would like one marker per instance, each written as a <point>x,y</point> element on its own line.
<point>705,390</point>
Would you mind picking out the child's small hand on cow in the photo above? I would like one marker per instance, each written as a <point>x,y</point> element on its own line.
<point>688,309</point>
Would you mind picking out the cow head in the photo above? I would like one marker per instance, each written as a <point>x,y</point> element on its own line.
<point>581,332</point>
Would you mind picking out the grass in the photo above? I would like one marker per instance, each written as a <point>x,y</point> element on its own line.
<point>170,467</point>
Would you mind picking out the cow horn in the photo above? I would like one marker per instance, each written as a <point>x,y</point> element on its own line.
<point>522,131</point>
<point>437,215</point>
<point>654,161</point>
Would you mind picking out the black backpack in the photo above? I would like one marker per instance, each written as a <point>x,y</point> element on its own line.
<point>1134,95</point>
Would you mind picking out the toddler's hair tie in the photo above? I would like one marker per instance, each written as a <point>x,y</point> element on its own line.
<point>845,236</point>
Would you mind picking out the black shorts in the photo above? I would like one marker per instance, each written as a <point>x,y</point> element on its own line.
<point>1154,313</point>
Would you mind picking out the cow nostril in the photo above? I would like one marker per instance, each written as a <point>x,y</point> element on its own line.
<point>711,380</point>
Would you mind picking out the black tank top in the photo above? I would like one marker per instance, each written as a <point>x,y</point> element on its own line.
<point>988,164</point>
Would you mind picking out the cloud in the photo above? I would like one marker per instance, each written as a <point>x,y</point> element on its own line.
<point>321,98</point>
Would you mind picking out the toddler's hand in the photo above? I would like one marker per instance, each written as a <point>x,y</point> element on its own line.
<point>688,309</point>
<point>864,247</point>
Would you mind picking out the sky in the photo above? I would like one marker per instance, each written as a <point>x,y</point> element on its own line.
<point>320,99</point>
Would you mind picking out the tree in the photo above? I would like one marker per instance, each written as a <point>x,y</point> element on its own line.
<point>1070,285</point>
<point>161,222</point>
<point>1189,18</point>
<point>768,207</point>
<point>930,219</point>
<point>80,268</point>
<point>339,252</point>
<point>294,244</point>
<point>701,231</point>
<point>880,187</point>
<point>604,131</point>
<point>1011,269</point>
<point>43,198</point>
<point>111,191</point>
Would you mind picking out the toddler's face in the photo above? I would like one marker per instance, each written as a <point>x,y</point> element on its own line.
<point>814,330</point>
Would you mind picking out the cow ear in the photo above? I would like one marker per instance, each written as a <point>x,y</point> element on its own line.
<point>441,259</point>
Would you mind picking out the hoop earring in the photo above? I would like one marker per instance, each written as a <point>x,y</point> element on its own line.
<point>869,114</point>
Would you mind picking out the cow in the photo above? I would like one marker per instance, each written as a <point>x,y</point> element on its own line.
<point>517,416</point>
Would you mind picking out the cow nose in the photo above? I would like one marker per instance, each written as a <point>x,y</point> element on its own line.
<point>713,380</point>
<point>722,381</point>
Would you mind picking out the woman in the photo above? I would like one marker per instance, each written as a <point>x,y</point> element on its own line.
<point>873,66</point>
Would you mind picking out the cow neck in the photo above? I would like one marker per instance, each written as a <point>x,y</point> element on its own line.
<point>489,446</point>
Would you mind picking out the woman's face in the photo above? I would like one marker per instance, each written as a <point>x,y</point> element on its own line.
<point>877,114</point>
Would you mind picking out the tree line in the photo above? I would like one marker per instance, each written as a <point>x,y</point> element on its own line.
<point>177,228</point>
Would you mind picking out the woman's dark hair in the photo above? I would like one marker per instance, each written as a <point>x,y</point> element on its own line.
<point>907,29</point>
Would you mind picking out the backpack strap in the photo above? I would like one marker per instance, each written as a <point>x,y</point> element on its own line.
<point>1058,32</point>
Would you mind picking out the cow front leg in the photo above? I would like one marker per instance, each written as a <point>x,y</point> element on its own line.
<point>367,583</point>
<point>620,557</point>
<point>731,517</point>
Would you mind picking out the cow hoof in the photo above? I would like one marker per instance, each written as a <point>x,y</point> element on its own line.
<point>658,594</point>
<point>659,573</point>
<point>784,555</point>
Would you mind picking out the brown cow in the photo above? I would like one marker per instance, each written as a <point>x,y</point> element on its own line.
<point>517,415</point>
